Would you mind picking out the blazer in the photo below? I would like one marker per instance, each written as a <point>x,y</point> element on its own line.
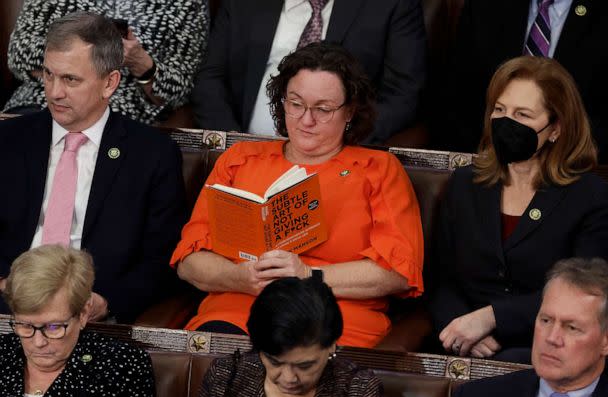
<point>388,40</point>
<point>491,32</point>
<point>521,383</point>
<point>134,213</point>
<point>475,268</point>
<point>244,376</point>
<point>98,365</point>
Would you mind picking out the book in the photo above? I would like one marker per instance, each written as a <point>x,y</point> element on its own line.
<point>289,216</point>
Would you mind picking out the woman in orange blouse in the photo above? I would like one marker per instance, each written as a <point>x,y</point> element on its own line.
<point>322,101</point>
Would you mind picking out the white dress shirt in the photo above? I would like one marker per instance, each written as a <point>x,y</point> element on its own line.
<point>294,17</point>
<point>85,160</point>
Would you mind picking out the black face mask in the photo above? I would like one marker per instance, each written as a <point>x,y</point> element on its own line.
<point>513,141</point>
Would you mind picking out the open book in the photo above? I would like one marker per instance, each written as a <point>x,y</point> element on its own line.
<point>289,216</point>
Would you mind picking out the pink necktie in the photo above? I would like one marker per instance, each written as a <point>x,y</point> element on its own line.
<point>60,210</point>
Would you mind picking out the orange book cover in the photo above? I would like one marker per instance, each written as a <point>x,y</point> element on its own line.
<point>290,217</point>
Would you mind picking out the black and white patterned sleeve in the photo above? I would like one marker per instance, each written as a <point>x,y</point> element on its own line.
<point>179,56</point>
<point>26,45</point>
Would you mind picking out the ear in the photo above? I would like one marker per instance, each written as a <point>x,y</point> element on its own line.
<point>604,343</point>
<point>83,317</point>
<point>349,112</point>
<point>112,81</point>
<point>557,130</point>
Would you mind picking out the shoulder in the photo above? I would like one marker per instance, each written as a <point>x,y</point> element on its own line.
<point>236,370</point>
<point>369,158</point>
<point>512,384</point>
<point>112,351</point>
<point>26,126</point>
<point>143,133</point>
<point>352,380</point>
<point>242,152</point>
<point>589,182</point>
<point>10,346</point>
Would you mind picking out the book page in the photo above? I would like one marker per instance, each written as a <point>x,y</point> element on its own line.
<point>293,176</point>
<point>238,192</point>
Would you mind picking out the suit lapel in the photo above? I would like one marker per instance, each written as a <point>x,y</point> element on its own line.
<point>114,135</point>
<point>601,389</point>
<point>514,20</point>
<point>574,30</point>
<point>542,205</point>
<point>266,16</point>
<point>342,16</point>
<point>37,163</point>
<point>489,211</point>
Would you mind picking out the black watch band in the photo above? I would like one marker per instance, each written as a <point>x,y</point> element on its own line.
<point>317,274</point>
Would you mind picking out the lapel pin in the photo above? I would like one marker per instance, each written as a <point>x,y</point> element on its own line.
<point>344,172</point>
<point>535,214</point>
<point>86,358</point>
<point>580,10</point>
<point>114,153</point>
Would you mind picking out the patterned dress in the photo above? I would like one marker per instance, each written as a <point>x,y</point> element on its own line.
<point>98,366</point>
<point>173,32</point>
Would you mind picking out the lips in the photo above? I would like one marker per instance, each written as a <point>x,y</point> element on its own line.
<point>550,358</point>
<point>59,108</point>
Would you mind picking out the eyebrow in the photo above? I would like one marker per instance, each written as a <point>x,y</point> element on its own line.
<point>281,362</point>
<point>319,102</point>
<point>73,76</point>
<point>517,108</point>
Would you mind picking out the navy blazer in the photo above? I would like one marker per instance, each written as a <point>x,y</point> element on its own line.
<point>135,210</point>
<point>521,384</point>
<point>491,32</point>
<point>475,268</point>
<point>388,39</point>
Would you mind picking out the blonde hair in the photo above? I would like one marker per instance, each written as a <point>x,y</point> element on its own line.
<point>573,153</point>
<point>38,274</point>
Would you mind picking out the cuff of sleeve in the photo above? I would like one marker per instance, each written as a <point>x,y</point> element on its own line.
<point>185,248</point>
<point>399,263</point>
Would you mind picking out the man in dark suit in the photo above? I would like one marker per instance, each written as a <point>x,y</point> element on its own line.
<point>249,38</point>
<point>570,338</point>
<point>491,32</point>
<point>117,194</point>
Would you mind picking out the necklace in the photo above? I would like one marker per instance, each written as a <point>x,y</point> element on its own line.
<point>38,392</point>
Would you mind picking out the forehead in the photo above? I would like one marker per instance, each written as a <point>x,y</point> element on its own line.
<point>57,309</point>
<point>301,354</point>
<point>75,56</point>
<point>522,93</point>
<point>565,301</point>
<point>316,85</point>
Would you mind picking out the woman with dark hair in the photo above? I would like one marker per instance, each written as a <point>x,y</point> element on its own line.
<point>294,325</point>
<point>322,101</point>
<point>528,200</point>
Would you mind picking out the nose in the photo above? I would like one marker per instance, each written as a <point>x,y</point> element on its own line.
<point>288,375</point>
<point>38,339</point>
<point>55,89</point>
<point>554,335</point>
<point>307,118</point>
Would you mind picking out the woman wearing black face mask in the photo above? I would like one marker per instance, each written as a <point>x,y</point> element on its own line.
<point>528,200</point>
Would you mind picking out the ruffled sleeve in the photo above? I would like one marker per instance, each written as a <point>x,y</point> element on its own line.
<point>396,237</point>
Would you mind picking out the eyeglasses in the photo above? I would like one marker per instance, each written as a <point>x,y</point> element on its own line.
<point>49,330</point>
<point>322,114</point>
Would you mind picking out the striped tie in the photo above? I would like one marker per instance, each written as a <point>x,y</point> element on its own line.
<point>539,39</point>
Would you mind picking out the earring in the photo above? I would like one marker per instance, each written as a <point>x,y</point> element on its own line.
<point>552,140</point>
<point>347,128</point>
<point>331,356</point>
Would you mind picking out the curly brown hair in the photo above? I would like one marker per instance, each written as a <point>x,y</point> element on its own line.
<point>358,89</point>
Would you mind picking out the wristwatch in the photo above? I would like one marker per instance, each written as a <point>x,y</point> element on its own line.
<point>317,274</point>
<point>148,76</point>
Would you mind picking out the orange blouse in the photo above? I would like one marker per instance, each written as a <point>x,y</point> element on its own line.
<point>371,212</point>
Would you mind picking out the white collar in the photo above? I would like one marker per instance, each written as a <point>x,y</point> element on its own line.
<point>94,132</point>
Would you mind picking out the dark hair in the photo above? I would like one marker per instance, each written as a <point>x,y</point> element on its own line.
<point>573,153</point>
<point>107,52</point>
<point>588,275</point>
<point>291,312</point>
<point>358,90</point>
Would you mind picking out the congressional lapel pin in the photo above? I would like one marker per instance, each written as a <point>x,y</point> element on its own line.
<point>535,214</point>
<point>86,358</point>
<point>344,172</point>
<point>114,153</point>
<point>580,10</point>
